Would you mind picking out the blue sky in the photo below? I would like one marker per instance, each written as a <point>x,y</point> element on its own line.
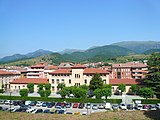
<point>28,25</point>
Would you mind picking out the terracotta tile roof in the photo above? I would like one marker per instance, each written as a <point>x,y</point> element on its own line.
<point>94,70</point>
<point>52,67</point>
<point>124,81</point>
<point>30,80</point>
<point>129,64</point>
<point>2,72</point>
<point>61,71</point>
<point>38,65</point>
<point>78,66</point>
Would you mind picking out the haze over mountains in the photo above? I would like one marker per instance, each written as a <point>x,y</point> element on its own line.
<point>101,52</point>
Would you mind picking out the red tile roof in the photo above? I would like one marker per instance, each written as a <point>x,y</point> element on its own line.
<point>61,71</point>
<point>29,80</point>
<point>94,70</point>
<point>78,66</point>
<point>52,67</point>
<point>124,81</point>
<point>2,72</point>
<point>41,65</point>
<point>129,64</point>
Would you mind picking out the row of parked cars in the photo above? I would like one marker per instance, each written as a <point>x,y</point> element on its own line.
<point>61,107</point>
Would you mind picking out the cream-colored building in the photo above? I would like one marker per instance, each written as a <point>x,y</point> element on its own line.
<point>76,76</point>
<point>7,77</point>
<point>22,83</point>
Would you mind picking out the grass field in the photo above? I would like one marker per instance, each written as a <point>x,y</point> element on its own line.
<point>121,115</point>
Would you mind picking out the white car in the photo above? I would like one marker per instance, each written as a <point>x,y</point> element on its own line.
<point>29,110</point>
<point>122,106</point>
<point>158,106</point>
<point>60,108</point>
<point>7,102</point>
<point>39,104</point>
<point>139,106</point>
<point>88,106</point>
<point>94,107</point>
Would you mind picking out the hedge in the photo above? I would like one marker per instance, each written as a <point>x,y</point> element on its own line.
<point>148,101</point>
<point>83,100</point>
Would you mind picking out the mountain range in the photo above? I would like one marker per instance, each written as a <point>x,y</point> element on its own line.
<point>96,53</point>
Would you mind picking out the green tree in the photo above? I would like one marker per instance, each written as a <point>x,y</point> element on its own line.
<point>146,92</point>
<point>23,92</point>
<point>42,93</point>
<point>61,86</point>
<point>80,93</point>
<point>122,87</point>
<point>86,87</point>
<point>63,92</point>
<point>30,87</point>
<point>98,93</point>
<point>47,86</point>
<point>152,79</point>
<point>47,93</point>
<point>40,87</point>
<point>134,88</point>
<point>107,91</point>
<point>96,82</point>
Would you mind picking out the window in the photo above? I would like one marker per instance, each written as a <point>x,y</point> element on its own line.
<point>77,75</point>
<point>69,81</point>
<point>62,80</point>
<point>104,81</point>
<point>53,81</point>
<point>57,81</point>
<point>85,81</point>
<point>52,88</point>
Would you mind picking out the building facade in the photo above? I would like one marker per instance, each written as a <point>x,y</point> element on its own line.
<point>7,77</point>
<point>130,70</point>
<point>76,76</point>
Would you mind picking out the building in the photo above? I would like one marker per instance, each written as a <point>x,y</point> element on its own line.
<point>130,70</point>
<point>36,71</point>
<point>75,76</point>
<point>22,83</point>
<point>127,82</point>
<point>7,77</point>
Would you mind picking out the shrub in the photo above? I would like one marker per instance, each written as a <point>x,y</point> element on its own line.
<point>1,91</point>
<point>30,87</point>
<point>23,92</point>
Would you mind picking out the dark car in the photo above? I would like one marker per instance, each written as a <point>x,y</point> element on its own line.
<point>38,111</point>
<point>47,111</point>
<point>50,105</point>
<point>33,103</point>
<point>81,105</point>
<point>60,112</point>
<point>44,104</point>
<point>68,105</point>
<point>69,113</point>
<point>63,104</point>
<point>1,108</point>
<point>58,104</point>
<point>130,106</point>
<point>18,110</point>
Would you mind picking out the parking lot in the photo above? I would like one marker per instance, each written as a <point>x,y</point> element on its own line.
<point>69,108</point>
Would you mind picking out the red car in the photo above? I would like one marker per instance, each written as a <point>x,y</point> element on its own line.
<point>75,105</point>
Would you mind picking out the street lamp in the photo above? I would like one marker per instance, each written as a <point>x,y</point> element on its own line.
<point>10,100</point>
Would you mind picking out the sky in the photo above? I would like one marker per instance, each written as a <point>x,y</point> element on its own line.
<point>29,25</point>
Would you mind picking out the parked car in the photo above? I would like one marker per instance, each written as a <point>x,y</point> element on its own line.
<point>58,104</point>
<point>100,106</point>
<point>39,104</point>
<point>75,105</point>
<point>68,105</point>
<point>88,106</point>
<point>29,110</point>
<point>60,112</point>
<point>38,111</point>
<point>7,102</point>
<point>69,113</point>
<point>60,108</point>
<point>108,106</point>
<point>84,113</point>
<point>152,107</point>
<point>122,106</point>
<point>130,106</point>
<point>28,102</point>
<point>50,104</point>
<point>94,107</point>
<point>17,110</point>
<point>158,105</point>
<point>115,106</point>
<point>47,111</point>
<point>138,106</point>
<point>44,104</point>
<point>63,104</point>
<point>81,105</point>
<point>145,107</point>
<point>33,103</point>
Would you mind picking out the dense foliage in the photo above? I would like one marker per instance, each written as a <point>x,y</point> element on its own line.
<point>23,92</point>
<point>44,90</point>
<point>30,87</point>
<point>152,79</point>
